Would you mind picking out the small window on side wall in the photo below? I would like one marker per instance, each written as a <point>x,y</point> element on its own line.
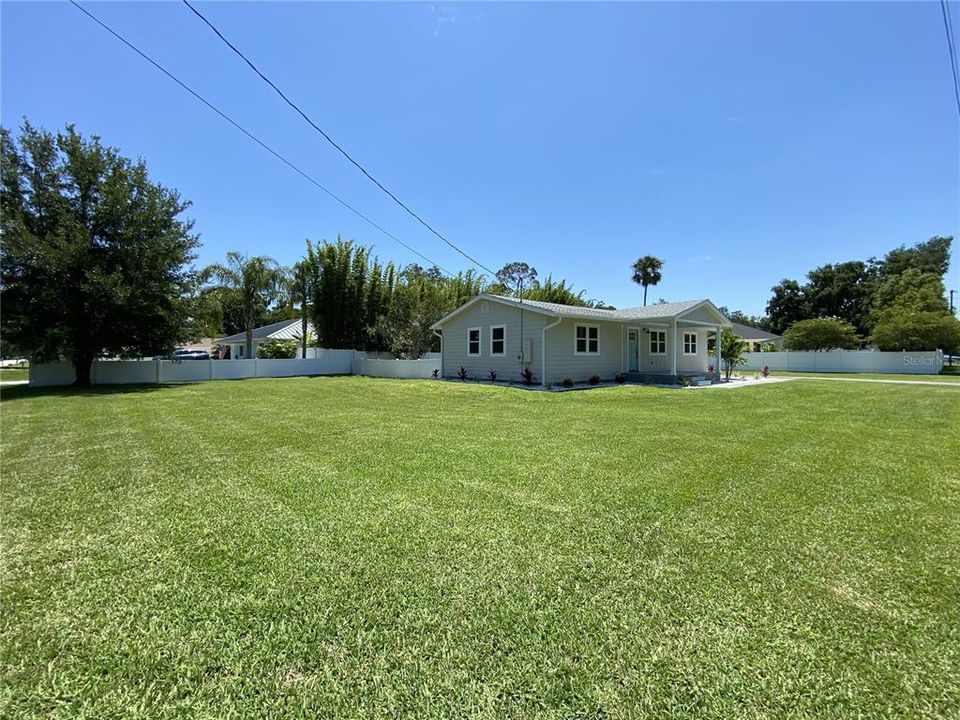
<point>473,341</point>
<point>689,343</point>
<point>587,340</point>
<point>498,339</point>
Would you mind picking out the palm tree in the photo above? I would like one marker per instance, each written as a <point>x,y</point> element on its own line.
<point>646,272</point>
<point>301,281</point>
<point>253,281</point>
<point>732,348</point>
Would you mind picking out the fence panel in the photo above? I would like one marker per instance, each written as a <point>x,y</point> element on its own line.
<point>123,372</point>
<point>848,361</point>
<point>408,369</point>
<point>323,362</point>
<point>186,370</point>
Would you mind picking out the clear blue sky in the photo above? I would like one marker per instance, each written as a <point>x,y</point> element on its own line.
<point>740,142</point>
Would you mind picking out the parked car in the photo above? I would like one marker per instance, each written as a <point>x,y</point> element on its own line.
<point>186,354</point>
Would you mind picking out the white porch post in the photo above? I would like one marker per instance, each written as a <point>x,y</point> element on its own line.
<point>717,349</point>
<point>673,348</point>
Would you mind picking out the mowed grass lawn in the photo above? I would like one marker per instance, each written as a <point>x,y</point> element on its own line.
<point>14,373</point>
<point>351,547</point>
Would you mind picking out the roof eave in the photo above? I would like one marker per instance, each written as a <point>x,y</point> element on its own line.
<point>438,325</point>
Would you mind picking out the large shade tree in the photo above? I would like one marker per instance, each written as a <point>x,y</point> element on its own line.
<point>252,283</point>
<point>647,272</point>
<point>516,278</point>
<point>95,258</point>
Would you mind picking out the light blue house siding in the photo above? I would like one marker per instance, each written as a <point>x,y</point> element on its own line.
<point>557,342</point>
<point>518,324</point>
<point>563,360</point>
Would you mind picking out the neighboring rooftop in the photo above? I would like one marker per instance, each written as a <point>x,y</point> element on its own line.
<point>751,333</point>
<point>283,330</point>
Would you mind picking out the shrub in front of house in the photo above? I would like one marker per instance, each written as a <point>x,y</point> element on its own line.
<point>436,373</point>
<point>462,373</point>
<point>567,382</point>
<point>621,378</point>
<point>594,380</point>
<point>277,350</point>
<point>492,374</point>
<point>527,376</point>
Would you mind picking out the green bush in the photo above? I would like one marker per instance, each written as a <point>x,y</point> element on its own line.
<point>277,350</point>
<point>902,329</point>
<point>568,382</point>
<point>821,334</point>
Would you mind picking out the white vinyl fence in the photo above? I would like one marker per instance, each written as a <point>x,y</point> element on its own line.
<point>322,362</point>
<point>848,361</point>
<point>376,367</point>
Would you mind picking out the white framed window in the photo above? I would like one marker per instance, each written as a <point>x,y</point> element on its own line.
<point>498,339</point>
<point>689,343</point>
<point>658,342</point>
<point>473,341</point>
<point>586,340</point>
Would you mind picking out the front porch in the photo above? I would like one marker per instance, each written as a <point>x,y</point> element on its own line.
<point>672,352</point>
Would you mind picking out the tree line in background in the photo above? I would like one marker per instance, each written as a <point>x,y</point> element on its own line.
<point>96,260</point>
<point>895,303</point>
<point>353,300</point>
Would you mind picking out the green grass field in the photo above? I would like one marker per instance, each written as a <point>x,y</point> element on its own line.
<point>14,373</point>
<point>350,547</point>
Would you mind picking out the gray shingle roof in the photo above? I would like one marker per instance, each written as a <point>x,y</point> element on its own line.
<point>648,312</point>
<point>283,330</point>
<point>752,333</point>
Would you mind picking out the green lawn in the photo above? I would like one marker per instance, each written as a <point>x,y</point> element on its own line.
<point>14,373</point>
<point>350,547</point>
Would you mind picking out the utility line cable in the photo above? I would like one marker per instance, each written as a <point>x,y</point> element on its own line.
<point>951,48</point>
<point>330,140</point>
<point>253,137</point>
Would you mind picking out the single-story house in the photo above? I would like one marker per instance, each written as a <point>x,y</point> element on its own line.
<point>755,337</point>
<point>283,330</point>
<point>665,342</point>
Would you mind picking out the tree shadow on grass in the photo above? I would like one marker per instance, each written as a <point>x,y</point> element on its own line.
<point>10,393</point>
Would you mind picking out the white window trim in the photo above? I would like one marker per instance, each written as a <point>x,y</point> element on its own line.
<point>498,354</point>
<point>650,342</point>
<point>479,352</point>
<point>695,343</point>
<point>587,351</point>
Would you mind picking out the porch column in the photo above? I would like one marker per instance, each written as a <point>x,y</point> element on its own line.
<point>673,348</point>
<point>717,349</point>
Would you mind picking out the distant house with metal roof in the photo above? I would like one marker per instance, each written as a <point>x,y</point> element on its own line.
<point>666,341</point>
<point>283,330</point>
<point>755,336</point>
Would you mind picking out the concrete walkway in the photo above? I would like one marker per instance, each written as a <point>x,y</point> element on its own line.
<point>742,382</point>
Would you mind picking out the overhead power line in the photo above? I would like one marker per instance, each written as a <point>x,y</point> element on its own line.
<point>253,137</point>
<point>330,140</point>
<point>951,48</point>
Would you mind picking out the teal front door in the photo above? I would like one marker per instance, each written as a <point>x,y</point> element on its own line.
<point>633,350</point>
